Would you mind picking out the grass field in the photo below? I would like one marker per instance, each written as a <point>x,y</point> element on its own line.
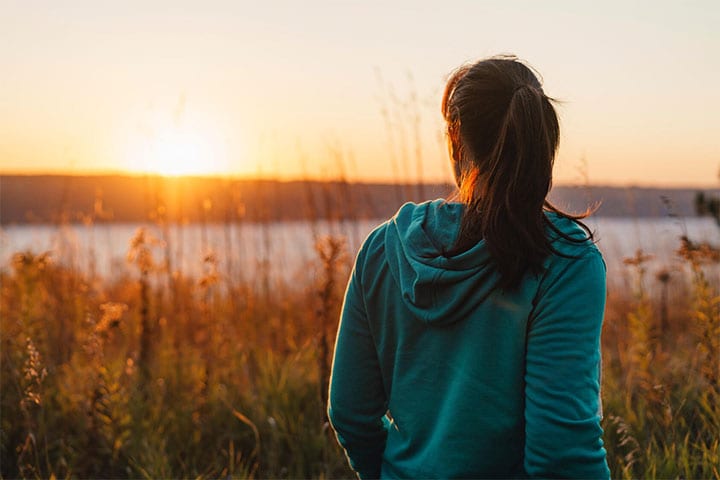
<point>158,375</point>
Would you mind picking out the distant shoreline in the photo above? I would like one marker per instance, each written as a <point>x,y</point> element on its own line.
<point>49,199</point>
<point>252,179</point>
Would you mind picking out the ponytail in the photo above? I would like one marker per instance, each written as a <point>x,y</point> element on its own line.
<point>504,134</point>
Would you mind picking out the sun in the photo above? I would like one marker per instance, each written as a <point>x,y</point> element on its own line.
<point>176,151</point>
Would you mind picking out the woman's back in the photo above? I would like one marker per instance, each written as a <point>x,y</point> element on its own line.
<point>450,353</point>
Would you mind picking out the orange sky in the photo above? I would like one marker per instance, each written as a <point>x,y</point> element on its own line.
<point>298,89</point>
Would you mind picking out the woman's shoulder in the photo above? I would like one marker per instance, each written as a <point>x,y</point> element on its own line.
<point>405,215</point>
<point>575,260</point>
<point>569,237</point>
<point>373,246</point>
<point>388,236</point>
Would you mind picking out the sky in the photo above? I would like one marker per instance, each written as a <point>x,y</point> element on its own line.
<point>328,89</point>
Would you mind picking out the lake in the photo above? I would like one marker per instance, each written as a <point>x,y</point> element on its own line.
<point>286,249</point>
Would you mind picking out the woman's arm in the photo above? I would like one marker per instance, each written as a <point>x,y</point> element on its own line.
<point>563,437</point>
<point>357,400</point>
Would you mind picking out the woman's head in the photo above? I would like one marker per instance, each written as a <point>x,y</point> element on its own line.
<point>503,133</point>
<point>502,129</point>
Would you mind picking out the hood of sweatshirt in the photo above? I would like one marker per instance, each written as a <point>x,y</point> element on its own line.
<point>441,289</point>
<point>438,289</point>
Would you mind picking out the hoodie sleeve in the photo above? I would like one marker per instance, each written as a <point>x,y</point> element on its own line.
<point>563,436</point>
<point>357,400</point>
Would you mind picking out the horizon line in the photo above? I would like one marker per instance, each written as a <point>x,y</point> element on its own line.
<point>366,181</point>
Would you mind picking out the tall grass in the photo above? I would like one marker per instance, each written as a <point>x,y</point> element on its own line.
<point>155,374</point>
<point>130,379</point>
<point>660,372</point>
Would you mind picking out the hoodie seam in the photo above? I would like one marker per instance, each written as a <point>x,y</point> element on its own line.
<point>436,276</point>
<point>362,260</point>
<point>568,263</point>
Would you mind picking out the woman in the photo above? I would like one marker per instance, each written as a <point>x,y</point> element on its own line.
<point>469,342</point>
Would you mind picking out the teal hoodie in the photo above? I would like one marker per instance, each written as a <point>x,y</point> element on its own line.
<point>437,375</point>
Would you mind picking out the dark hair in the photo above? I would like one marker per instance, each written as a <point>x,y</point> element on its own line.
<point>503,134</point>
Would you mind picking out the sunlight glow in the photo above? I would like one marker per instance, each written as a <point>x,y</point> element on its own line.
<point>178,151</point>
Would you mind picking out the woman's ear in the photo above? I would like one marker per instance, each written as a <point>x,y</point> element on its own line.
<point>451,136</point>
<point>459,164</point>
<point>455,150</point>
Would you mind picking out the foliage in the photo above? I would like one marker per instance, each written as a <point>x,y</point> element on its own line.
<point>158,375</point>
<point>661,388</point>
<point>707,205</point>
<point>131,379</point>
